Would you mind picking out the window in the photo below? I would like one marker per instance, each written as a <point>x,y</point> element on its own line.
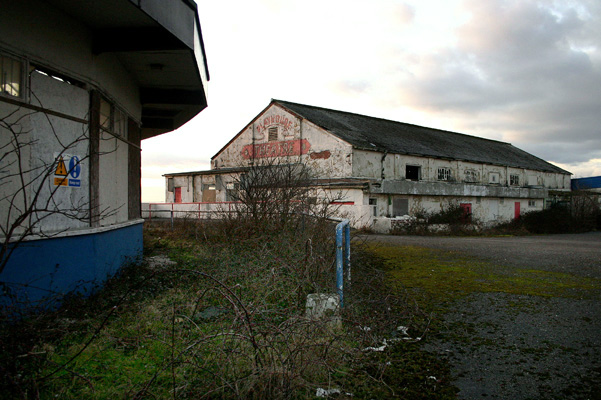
<point>11,76</point>
<point>170,184</point>
<point>494,178</point>
<point>374,204</point>
<point>444,174</point>
<point>514,180</point>
<point>273,133</point>
<point>112,119</point>
<point>531,203</point>
<point>412,172</point>
<point>471,176</point>
<point>231,191</point>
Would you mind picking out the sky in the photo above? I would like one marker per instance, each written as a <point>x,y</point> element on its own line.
<point>520,71</point>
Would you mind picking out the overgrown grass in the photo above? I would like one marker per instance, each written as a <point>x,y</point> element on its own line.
<point>226,320</point>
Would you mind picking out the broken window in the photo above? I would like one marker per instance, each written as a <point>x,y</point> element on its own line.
<point>471,175</point>
<point>273,133</point>
<point>514,180</point>
<point>412,172</point>
<point>11,76</point>
<point>444,174</point>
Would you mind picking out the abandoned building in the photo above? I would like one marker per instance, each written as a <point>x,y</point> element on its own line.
<point>81,84</point>
<point>385,170</point>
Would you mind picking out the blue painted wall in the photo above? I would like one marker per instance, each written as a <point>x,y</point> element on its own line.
<point>40,271</point>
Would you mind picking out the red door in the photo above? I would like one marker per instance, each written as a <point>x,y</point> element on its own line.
<point>467,211</point>
<point>517,210</point>
<point>178,194</point>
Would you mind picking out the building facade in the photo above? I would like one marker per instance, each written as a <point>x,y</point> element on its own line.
<point>380,170</point>
<point>81,84</point>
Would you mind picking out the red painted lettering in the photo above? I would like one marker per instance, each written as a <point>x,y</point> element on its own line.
<point>276,149</point>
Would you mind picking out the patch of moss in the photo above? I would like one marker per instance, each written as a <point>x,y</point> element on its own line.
<point>443,276</point>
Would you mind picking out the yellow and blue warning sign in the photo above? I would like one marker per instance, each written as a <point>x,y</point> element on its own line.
<point>68,170</point>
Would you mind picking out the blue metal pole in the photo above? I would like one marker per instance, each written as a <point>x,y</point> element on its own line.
<point>347,242</point>
<point>339,264</point>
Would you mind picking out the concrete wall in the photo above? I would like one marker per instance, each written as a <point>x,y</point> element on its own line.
<point>59,125</point>
<point>371,164</point>
<point>66,48</point>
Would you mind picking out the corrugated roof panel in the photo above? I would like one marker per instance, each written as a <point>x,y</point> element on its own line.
<point>379,134</point>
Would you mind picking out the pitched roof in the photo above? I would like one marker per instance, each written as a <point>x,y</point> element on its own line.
<point>370,133</point>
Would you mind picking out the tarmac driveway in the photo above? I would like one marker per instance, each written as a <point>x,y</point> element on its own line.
<point>517,347</point>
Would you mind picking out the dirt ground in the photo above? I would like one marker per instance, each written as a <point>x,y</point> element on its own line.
<point>518,347</point>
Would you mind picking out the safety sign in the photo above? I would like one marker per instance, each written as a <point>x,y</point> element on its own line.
<point>67,171</point>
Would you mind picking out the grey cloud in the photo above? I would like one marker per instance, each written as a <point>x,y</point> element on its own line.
<point>521,66</point>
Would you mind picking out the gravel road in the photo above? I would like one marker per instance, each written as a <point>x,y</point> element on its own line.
<point>517,347</point>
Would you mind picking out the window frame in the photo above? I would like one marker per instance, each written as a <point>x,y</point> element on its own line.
<point>418,170</point>
<point>22,84</point>
<point>471,176</point>
<point>443,174</point>
<point>514,180</point>
<point>272,134</point>
<point>119,129</point>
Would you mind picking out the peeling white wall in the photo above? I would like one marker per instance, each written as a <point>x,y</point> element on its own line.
<point>297,142</point>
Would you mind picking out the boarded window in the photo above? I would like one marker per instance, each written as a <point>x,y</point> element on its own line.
<point>209,194</point>
<point>11,76</point>
<point>494,178</point>
<point>412,172</point>
<point>400,207</point>
<point>273,133</point>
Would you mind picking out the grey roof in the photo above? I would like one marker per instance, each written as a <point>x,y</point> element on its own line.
<point>370,133</point>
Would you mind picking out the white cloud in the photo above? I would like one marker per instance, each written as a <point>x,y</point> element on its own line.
<point>527,72</point>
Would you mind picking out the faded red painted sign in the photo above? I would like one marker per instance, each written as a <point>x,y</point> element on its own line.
<point>276,149</point>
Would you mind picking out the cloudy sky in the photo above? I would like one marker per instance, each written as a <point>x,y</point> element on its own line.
<point>520,71</point>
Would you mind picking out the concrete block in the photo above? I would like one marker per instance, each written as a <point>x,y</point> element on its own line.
<point>322,306</point>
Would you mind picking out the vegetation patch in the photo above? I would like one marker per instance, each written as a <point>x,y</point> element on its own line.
<point>226,320</point>
<point>439,276</point>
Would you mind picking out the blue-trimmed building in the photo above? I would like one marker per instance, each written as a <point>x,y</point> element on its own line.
<point>81,84</point>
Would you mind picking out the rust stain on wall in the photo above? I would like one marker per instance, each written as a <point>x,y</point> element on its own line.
<point>323,155</point>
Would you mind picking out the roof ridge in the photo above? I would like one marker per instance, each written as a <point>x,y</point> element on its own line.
<point>283,102</point>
